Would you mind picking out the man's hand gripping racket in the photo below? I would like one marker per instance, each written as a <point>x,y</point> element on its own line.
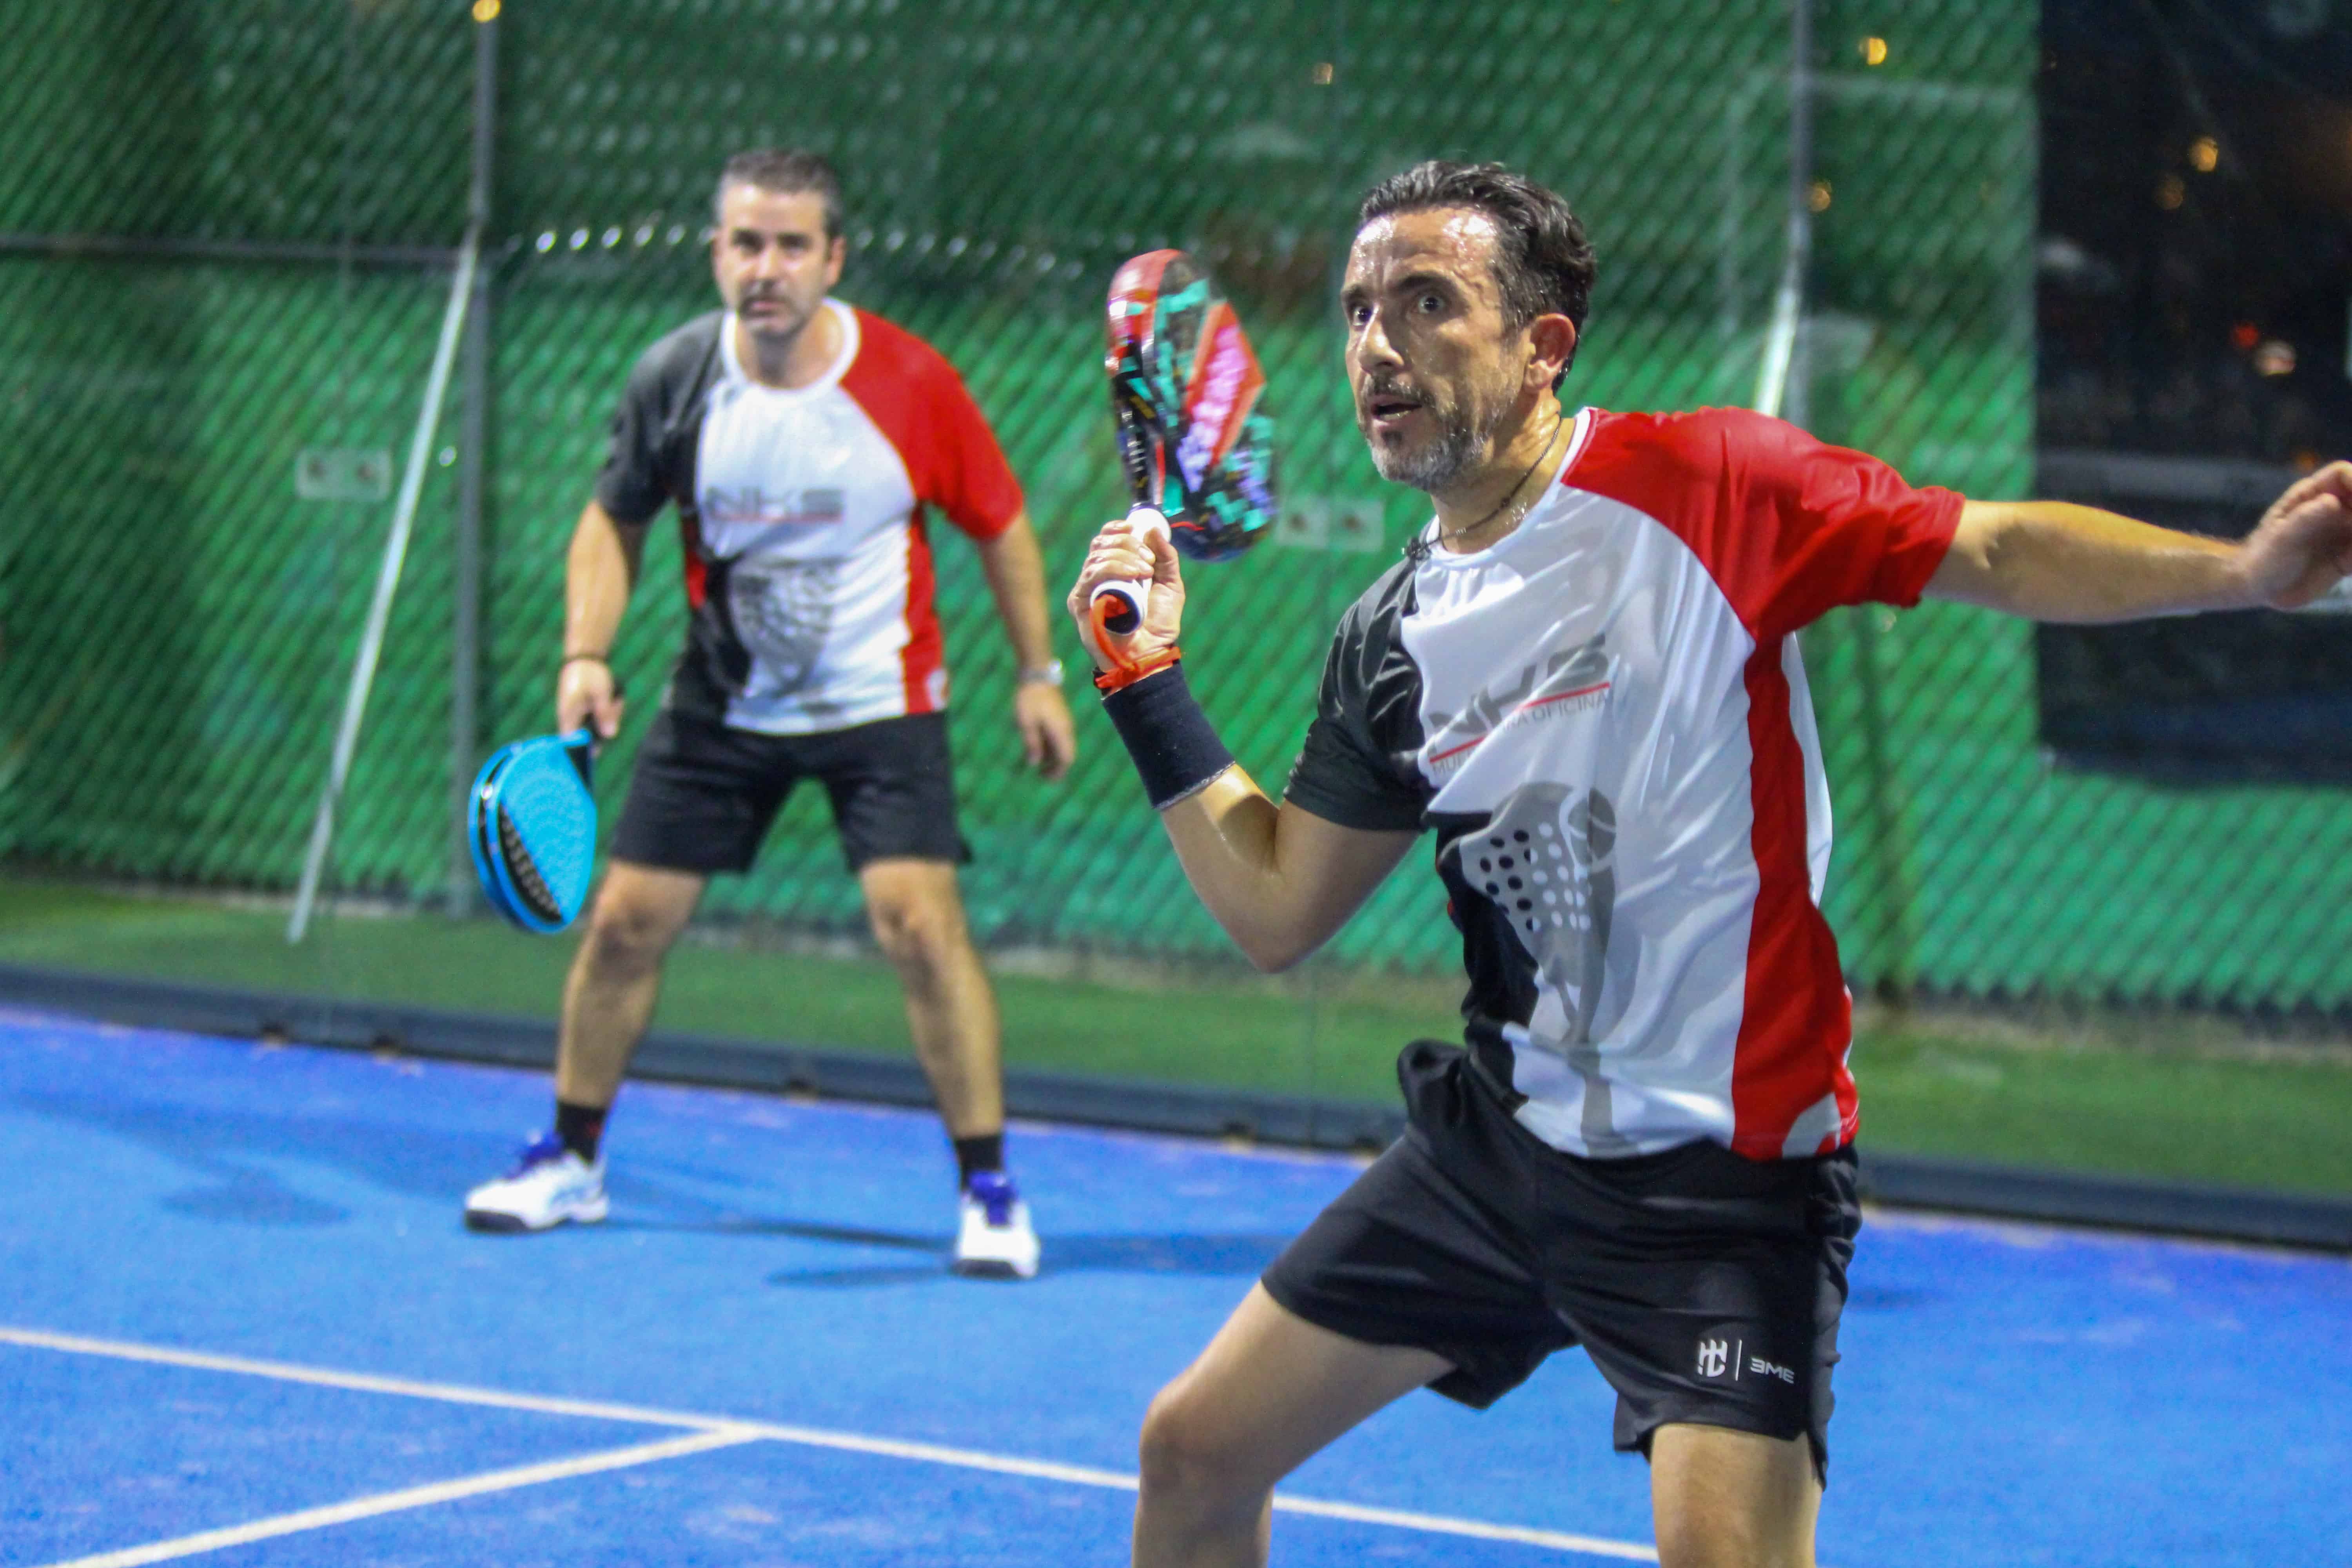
<point>1196,446</point>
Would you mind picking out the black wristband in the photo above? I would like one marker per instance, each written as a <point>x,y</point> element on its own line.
<point>1175,748</point>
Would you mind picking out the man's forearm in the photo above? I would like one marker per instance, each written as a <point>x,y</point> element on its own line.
<point>2050,560</point>
<point>599,570</point>
<point>1225,838</point>
<point>1015,570</point>
<point>1281,881</point>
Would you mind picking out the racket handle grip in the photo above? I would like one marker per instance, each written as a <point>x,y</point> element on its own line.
<point>580,745</point>
<point>1124,613</point>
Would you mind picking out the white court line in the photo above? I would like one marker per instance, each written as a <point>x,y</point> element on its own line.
<point>731,1430</point>
<point>359,1382</point>
<point>414,1497</point>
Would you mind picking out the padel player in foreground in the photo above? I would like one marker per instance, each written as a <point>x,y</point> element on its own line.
<point>800,440</point>
<point>1583,680</point>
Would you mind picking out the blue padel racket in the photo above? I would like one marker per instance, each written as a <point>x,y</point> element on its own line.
<point>531,822</point>
<point>1194,434</point>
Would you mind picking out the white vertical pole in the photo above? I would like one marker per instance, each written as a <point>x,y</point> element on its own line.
<point>1774,386</point>
<point>387,585</point>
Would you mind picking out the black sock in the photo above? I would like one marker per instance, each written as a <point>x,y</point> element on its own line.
<point>581,1127</point>
<point>985,1152</point>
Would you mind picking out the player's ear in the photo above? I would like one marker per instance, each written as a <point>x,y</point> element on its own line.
<point>1551,343</point>
<point>837,255</point>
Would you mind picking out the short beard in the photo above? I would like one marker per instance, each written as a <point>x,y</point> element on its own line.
<point>1442,463</point>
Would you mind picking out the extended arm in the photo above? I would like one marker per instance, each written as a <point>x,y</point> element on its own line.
<point>599,570</point>
<point>1015,570</point>
<point>2050,560</point>
<point>1279,879</point>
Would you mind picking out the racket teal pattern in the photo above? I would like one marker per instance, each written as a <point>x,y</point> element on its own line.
<point>531,825</point>
<point>1187,392</point>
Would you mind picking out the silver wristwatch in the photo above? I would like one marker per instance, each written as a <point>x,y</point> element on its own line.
<point>1046,674</point>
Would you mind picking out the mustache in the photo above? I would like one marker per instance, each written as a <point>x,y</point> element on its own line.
<point>1390,386</point>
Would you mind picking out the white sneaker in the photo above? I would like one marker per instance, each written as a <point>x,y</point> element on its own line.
<point>547,1186</point>
<point>994,1239</point>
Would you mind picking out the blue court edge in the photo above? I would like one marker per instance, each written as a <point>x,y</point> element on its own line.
<point>2009,1395</point>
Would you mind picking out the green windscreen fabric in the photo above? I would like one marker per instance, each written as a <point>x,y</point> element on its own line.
<point>229,228</point>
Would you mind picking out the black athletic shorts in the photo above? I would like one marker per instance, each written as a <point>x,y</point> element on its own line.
<point>703,794</point>
<point>1705,1286</point>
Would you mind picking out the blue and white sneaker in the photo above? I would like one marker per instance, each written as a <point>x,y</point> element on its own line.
<point>994,1239</point>
<point>547,1186</point>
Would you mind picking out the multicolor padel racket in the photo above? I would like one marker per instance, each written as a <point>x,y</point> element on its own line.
<point>530,823</point>
<point>1193,434</point>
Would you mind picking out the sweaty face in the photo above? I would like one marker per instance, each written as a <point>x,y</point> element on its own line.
<point>772,260</point>
<point>1431,367</point>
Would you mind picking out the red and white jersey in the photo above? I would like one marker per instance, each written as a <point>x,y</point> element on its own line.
<point>808,569</point>
<point>1605,719</point>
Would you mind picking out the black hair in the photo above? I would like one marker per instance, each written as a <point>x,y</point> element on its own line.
<point>789,171</point>
<point>1543,263</point>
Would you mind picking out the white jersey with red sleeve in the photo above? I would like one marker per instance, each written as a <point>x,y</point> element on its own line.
<point>1605,719</point>
<point>808,568</point>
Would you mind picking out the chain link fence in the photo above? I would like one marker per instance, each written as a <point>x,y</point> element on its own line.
<point>226,235</point>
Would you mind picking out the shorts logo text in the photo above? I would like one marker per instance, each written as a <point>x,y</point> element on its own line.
<point>1714,1356</point>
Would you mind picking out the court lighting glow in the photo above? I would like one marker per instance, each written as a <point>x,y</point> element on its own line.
<point>2274,358</point>
<point>2204,154</point>
<point>2170,193</point>
<point>1819,197</point>
<point>485,10</point>
<point>1874,51</point>
<point>1322,73</point>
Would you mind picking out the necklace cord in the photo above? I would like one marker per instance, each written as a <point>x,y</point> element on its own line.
<point>1419,547</point>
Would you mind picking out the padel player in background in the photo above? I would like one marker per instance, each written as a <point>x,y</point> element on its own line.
<point>1583,680</point>
<point>800,440</point>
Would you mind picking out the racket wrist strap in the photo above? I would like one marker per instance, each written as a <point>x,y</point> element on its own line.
<point>1126,673</point>
<point>1175,747</point>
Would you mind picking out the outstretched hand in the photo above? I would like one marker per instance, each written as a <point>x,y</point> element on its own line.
<point>1123,553</point>
<point>2303,546</point>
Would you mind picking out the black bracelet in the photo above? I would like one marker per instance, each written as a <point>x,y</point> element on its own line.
<point>1174,746</point>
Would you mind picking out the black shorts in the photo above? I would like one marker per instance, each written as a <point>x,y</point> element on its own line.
<point>703,794</point>
<point>1705,1286</point>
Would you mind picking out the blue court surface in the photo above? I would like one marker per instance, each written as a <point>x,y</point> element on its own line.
<point>239,1321</point>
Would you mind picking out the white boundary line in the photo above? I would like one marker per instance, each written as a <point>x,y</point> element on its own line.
<point>710,1432</point>
<point>412,1496</point>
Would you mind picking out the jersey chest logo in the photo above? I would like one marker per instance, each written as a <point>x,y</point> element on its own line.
<point>722,504</point>
<point>1554,685</point>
